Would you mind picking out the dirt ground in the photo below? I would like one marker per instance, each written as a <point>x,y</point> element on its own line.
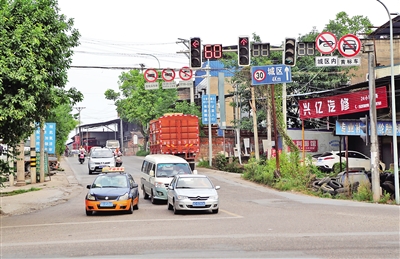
<point>56,189</point>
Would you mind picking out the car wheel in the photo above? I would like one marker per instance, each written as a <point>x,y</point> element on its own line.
<point>130,211</point>
<point>145,195</point>
<point>152,198</point>
<point>89,213</point>
<point>90,171</point>
<point>215,211</point>
<point>136,206</point>
<point>174,208</point>
<point>169,206</point>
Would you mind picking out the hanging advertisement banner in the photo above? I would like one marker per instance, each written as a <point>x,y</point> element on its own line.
<point>341,104</point>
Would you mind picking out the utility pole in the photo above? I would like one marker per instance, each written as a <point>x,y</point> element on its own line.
<point>369,48</point>
<point>79,109</point>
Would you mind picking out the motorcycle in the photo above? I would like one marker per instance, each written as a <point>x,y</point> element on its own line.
<point>81,158</point>
<point>118,161</point>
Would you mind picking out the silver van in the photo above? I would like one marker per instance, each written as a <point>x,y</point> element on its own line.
<point>157,172</point>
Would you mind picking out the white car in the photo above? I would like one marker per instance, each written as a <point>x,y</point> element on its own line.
<point>328,160</point>
<point>192,192</point>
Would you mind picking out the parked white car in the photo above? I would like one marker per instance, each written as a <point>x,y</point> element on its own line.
<point>328,160</point>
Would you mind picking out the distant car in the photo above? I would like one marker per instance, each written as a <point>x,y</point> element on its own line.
<point>188,192</point>
<point>100,158</point>
<point>112,190</point>
<point>328,160</point>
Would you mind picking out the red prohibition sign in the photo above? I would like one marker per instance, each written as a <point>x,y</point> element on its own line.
<point>326,42</point>
<point>185,73</point>
<point>259,75</point>
<point>349,45</point>
<point>150,75</point>
<point>168,74</point>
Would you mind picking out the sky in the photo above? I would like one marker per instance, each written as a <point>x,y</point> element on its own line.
<point>114,33</point>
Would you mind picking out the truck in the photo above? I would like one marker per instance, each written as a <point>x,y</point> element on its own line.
<point>176,134</point>
<point>112,144</point>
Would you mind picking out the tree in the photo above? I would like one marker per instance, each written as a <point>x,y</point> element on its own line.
<point>65,122</point>
<point>357,25</point>
<point>135,104</point>
<point>35,54</point>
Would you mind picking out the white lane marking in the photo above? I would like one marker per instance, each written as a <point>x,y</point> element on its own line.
<point>234,216</point>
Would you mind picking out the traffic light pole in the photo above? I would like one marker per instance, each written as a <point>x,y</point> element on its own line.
<point>209,113</point>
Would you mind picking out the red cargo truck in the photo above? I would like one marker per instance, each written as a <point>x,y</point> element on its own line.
<point>176,134</point>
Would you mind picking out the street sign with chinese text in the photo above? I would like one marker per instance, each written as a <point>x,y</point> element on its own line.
<point>209,109</point>
<point>273,74</point>
<point>49,137</point>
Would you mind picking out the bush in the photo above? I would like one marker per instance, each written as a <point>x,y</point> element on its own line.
<point>142,153</point>
<point>203,163</point>
<point>364,192</point>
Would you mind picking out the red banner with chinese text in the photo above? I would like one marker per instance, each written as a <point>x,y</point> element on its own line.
<point>341,104</point>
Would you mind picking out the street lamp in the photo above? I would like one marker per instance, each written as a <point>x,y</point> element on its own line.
<point>152,56</point>
<point>394,122</point>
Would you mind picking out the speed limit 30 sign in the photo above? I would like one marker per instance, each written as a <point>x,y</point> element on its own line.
<point>259,75</point>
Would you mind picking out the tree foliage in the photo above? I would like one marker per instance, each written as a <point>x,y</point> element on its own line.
<point>343,24</point>
<point>35,54</point>
<point>135,104</point>
<point>65,122</point>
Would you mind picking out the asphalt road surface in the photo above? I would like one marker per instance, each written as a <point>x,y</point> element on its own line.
<point>253,222</point>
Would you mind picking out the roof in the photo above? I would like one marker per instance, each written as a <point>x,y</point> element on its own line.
<point>165,158</point>
<point>384,30</point>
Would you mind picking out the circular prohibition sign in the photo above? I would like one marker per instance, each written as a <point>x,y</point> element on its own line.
<point>259,75</point>
<point>150,75</point>
<point>168,74</point>
<point>185,73</point>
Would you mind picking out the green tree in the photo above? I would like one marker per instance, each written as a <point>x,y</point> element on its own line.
<point>65,122</point>
<point>343,24</point>
<point>35,54</point>
<point>135,104</point>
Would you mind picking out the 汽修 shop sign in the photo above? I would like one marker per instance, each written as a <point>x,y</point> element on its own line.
<point>341,104</point>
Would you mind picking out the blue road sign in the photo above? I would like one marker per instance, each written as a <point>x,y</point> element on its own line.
<point>274,74</point>
<point>212,109</point>
<point>49,138</point>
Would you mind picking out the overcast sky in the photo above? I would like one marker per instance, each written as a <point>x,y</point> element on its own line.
<point>114,32</point>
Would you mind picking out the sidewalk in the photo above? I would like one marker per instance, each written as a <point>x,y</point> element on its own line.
<point>62,186</point>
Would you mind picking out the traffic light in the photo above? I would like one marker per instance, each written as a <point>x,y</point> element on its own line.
<point>364,128</point>
<point>243,51</point>
<point>195,52</point>
<point>289,53</point>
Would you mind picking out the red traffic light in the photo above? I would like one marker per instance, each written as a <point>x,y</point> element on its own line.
<point>195,52</point>
<point>243,51</point>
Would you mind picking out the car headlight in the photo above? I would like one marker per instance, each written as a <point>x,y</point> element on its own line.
<point>181,197</point>
<point>124,197</point>
<point>90,197</point>
<point>215,197</point>
<point>159,185</point>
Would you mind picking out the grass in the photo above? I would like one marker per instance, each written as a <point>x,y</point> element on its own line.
<point>16,192</point>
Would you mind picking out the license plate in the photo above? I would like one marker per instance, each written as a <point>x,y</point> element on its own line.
<point>106,204</point>
<point>199,204</point>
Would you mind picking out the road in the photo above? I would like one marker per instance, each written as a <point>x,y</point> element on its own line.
<point>253,222</point>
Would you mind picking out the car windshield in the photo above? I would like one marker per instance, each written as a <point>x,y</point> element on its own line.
<point>194,183</point>
<point>172,169</point>
<point>107,181</point>
<point>102,153</point>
